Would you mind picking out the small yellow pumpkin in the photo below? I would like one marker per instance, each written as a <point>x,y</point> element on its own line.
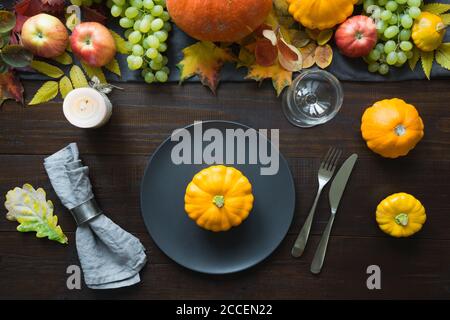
<point>321,14</point>
<point>218,198</point>
<point>428,31</point>
<point>400,215</point>
<point>391,127</point>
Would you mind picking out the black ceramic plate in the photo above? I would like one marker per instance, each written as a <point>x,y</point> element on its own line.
<point>162,205</point>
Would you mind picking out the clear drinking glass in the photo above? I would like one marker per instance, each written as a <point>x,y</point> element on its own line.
<point>313,98</point>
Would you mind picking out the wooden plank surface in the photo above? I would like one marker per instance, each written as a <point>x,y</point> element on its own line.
<point>145,115</point>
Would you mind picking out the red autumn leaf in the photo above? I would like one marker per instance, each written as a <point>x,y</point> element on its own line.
<point>286,51</point>
<point>93,14</point>
<point>10,87</point>
<point>265,53</point>
<point>33,7</point>
<point>20,20</point>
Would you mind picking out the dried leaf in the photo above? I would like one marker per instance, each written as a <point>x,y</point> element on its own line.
<point>34,212</point>
<point>323,56</point>
<point>282,7</point>
<point>308,55</point>
<point>436,8</point>
<point>324,37</point>
<point>204,59</point>
<point>427,62</point>
<point>281,78</point>
<point>65,86</point>
<point>7,21</point>
<point>443,55</point>
<point>122,46</point>
<point>47,92</point>
<point>265,52</point>
<point>414,59</point>
<point>446,18</point>
<point>114,67</point>
<point>33,7</point>
<point>94,71</point>
<point>245,59</point>
<point>299,38</point>
<point>47,69</point>
<point>78,78</point>
<point>16,56</point>
<point>92,14</point>
<point>64,59</point>
<point>10,87</point>
<point>313,33</point>
<point>289,56</point>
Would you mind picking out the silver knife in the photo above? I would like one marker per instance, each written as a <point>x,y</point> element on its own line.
<point>336,190</point>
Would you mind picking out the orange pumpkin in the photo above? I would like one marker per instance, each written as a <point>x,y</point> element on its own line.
<point>219,20</point>
<point>391,127</point>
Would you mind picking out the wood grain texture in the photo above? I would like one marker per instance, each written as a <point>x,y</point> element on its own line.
<point>145,115</point>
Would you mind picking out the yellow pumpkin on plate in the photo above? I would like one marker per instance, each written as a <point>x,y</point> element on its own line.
<point>428,31</point>
<point>218,198</point>
<point>391,127</point>
<point>321,14</point>
<point>400,215</point>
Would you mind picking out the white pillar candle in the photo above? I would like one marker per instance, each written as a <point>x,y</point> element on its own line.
<point>87,108</point>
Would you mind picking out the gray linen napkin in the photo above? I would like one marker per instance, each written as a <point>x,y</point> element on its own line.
<point>110,257</point>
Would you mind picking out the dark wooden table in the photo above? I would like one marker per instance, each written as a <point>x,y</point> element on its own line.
<point>418,267</point>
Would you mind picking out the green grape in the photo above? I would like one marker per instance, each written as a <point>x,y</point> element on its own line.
<point>137,50</point>
<point>127,33</point>
<point>134,62</point>
<point>165,16</point>
<point>391,32</point>
<point>149,77</point>
<point>392,6</point>
<point>409,54</point>
<point>383,69</point>
<point>161,2</point>
<point>116,11</point>
<point>161,76</point>
<point>374,55</point>
<point>373,67</point>
<point>405,35</point>
<point>165,69</point>
<point>155,65</point>
<point>136,3</point>
<point>406,45</point>
<point>126,23</point>
<point>401,1</point>
<point>380,47</point>
<point>161,35</point>
<point>152,41</point>
<point>391,58</point>
<point>167,26</point>
<point>158,58</point>
<point>87,3</point>
<point>390,46</point>
<point>131,12</point>
<point>382,3</point>
<point>162,47</point>
<point>109,3</point>
<point>381,26</point>
<point>414,12</point>
<point>137,25</point>
<point>393,20</point>
<point>145,24</point>
<point>165,61</point>
<point>119,2</point>
<point>157,10</point>
<point>386,15</point>
<point>414,3</point>
<point>134,37</point>
<point>401,57</point>
<point>151,53</point>
<point>76,2</point>
<point>157,24</point>
<point>406,21</point>
<point>148,4</point>
<point>368,3</point>
<point>144,72</point>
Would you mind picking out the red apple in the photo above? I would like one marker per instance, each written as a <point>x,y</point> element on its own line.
<point>93,43</point>
<point>44,35</point>
<point>356,37</point>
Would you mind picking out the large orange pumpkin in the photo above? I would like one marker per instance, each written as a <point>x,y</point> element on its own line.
<point>219,20</point>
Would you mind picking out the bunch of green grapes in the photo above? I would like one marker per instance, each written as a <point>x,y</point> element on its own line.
<point>394,20</point>
<point>86,3</point>
<point>147,29</point>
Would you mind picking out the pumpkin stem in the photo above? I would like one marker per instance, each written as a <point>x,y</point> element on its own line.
<point>400,130</point>
<point>219,201</point>
<point>440,26</point>
<point>401,219</point>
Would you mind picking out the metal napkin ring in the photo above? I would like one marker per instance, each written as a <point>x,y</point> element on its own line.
<point>86,211</point>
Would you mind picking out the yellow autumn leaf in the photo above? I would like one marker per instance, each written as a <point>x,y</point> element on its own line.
<point>94,71</point>
<point>245,59</point>
<point>324,37</point>
<point>281,78</point>
<point>47,69</point>
<point>47,92</point>
<point>122,46</point>
<point>436,8</point>
<point>446,18</point>
<point>427,62</point>
<point>414,59</point>
<point>65,86</point>
<point>443,55</point>
<point>323,56</point>
<point>77,77</point>
<point>205,60</point>
<point>114,67</point>
<point>308,52</point>
<point>64,59</point>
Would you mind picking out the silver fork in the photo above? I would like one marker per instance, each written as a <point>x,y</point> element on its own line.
<point>326,171</point>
